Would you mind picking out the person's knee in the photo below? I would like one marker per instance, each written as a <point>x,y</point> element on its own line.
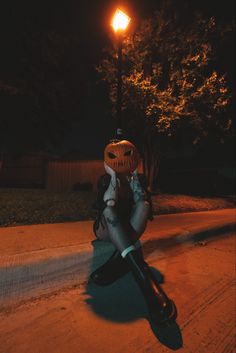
<point>111,216</point>
<point>109,211</point>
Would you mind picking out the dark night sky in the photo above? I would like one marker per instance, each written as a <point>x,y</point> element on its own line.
<point>90,19</point>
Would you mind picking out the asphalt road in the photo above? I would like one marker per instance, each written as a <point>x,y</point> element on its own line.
<point>59,312</point>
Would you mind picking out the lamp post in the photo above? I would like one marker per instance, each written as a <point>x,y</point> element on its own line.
<point>120,23</point>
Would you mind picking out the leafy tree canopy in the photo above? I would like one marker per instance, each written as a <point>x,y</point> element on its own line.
<point>176,91</point>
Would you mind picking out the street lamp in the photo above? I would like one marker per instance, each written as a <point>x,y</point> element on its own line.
<point>120,23</point>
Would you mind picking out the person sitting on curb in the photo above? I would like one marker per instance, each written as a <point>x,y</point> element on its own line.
<point>124,206</point>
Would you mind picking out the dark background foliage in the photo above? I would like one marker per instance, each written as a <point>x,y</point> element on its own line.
<point>51,96</point>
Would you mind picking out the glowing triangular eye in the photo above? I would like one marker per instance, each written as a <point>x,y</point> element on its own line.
<point>128,153</point>
<point>111,155</point>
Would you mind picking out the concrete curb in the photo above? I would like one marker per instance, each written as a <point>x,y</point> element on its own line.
<point>21,280</point>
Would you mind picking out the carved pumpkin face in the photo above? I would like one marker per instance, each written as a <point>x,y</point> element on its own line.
<point>121,156</point>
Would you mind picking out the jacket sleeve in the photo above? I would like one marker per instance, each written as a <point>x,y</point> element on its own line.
<point>102,185</point>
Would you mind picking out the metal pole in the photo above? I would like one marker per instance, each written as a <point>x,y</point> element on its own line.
<point>119,90</point>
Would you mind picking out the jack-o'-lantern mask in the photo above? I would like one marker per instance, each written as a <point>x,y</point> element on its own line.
<point>122,156</point>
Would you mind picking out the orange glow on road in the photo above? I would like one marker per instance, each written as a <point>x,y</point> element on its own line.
<point>120,21</point>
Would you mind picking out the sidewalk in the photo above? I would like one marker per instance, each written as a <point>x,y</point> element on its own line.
<point>39,259</point>
<point>47,307</point>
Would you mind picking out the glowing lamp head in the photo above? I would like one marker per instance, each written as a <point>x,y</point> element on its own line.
<point>120,21</point>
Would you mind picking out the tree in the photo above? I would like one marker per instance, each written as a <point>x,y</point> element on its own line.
<point>174,92</point>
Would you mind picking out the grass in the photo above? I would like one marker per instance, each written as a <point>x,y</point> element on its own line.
<point>165,203</point>
<point>33,206</point>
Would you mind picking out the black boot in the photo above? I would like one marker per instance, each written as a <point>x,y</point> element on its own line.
<point>113,269</point>
<point>160,307</point>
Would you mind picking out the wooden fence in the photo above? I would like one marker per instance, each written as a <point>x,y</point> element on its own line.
<point>66,175</point>
<point>33,171</point>
<point>23,171</point>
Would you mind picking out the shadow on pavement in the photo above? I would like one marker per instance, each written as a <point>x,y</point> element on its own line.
<point>122,302</point>
<point>175,240</point>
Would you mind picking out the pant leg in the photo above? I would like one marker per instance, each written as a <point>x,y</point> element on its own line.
<point>111,228</point>
<point>139,218</point>
<point>120,234</point>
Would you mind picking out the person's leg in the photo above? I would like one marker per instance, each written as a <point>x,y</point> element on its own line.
<point>161,308</point>
<point>138,222</point>
<point>139,218</point>
<point>117,231</point>
<point>135,228</point>
<point>115,267</point>
<point>127,258</point>
<point>123,236</point>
